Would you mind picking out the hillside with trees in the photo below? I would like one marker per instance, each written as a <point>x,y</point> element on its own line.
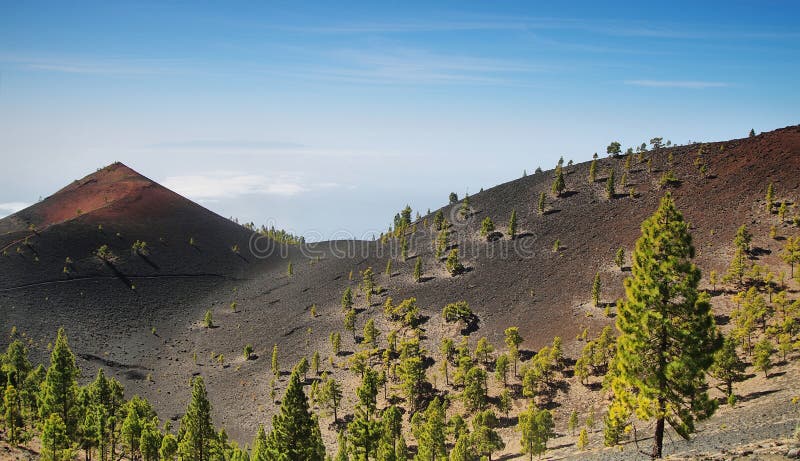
<point>605,309</point>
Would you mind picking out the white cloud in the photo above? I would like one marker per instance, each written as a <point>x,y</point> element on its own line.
<point>219,185</point>
<point>690,84</point>
<point>8,208</point>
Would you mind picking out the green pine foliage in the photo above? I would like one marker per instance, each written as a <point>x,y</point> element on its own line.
<point>610,185</point>
<point>512,225</point>
<point>487,227</point>
<point>295,431</point>
<point>198,432</point>
<point>667,331</point>
<point>418,269</point>
<point>597,290</point>
<point>453,265</point>
<point>60,392</point>
<point>541,204</point>
<point>559,185</point>
<point>536,428</point>
<point>728,367</point>
<point>619,258</point>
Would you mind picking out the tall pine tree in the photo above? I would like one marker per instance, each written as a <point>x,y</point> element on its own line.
<point>60,388</point>
<point>295,431</point>
<point>196,426</point>
<point>667,331</point>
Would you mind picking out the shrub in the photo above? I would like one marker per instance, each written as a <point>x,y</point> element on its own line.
<point>487,227</point>
<point>668,178</point>
<point>454,312</point>
<point>453,265</point>
<point>208,319</point>
<point>140,248</point>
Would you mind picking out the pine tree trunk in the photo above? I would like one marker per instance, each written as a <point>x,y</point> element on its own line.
<point>658,440</point>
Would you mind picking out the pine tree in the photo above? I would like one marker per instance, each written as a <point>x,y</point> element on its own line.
<point>388,270</point>
<point>275,368</point>
<point>315,363</point>
<point>350,322</point>
<point>728,367</point>
<point>737,268</point>
<point>336,342</point>
<point>418,269</point>
<point>791,253</point>
<point>331,396</point>
<point>475,392</point>
<point>431,432</point>
<point>54,438</point>
<point>365,431</point>
<point>513,340</point>
<point>593,171</point>
<point>559,185</point>
<point>512,225</point>
<point>573,422</point>
<point>484,436</point>
<point>347,299</point>
<point>596,290</point>
<point>290,269</point>
<point>487,227</point>
<point>501,366</point>
<point>12,413</point>
<point>60,393</point>
<point>540,206</point>
<point>752,133</point>
<point>368,284</point>
<point>464,449</point>
<point>371,333</point>
<point>208,319</point>
<point>583,439</point>
<point>295,430</point>
<point>610,187</point>
<point>667,331</point>
<point>131,431</point>
<point>770,198</point>
<point>198,432</point>
<point>453,265</point>
<point>341,448</point>
<point>259,452</point>
<point>169,448</point>
<point>619,258</point>
<point>762,356</point>
<point>536,428</point>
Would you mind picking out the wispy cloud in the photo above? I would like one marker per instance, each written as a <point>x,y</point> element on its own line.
<point>223,185</point>
<point>689,84</point>
<point>405,27</point>
<point>91,66</point>
<point>216,144</point>
<point>411,66</point>
<point>8,208</point>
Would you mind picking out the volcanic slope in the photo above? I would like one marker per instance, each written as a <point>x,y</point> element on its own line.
<point>159,343</point>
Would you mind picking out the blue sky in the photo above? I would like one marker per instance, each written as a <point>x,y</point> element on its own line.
<point>326,118</point>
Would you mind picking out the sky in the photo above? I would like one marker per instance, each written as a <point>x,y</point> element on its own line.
<point>326,118</point>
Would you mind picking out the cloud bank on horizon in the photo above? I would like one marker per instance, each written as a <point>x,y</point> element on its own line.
<point>326,117</point>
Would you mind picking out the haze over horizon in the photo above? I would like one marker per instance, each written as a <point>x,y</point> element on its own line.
<point>325,119</point>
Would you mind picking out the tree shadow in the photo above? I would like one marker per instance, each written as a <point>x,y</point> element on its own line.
<point>425,279</point>
<point>118,274</point>
<point>757,394</point>
<point>523,235</point>
<point>758,251</point>
<point>551,211</point>
<point>722,319</point>
<point>243,258</point>
<point>471,325</point>
<point>494,236</point>
<point>568,193</point>
<point>149,261</point>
